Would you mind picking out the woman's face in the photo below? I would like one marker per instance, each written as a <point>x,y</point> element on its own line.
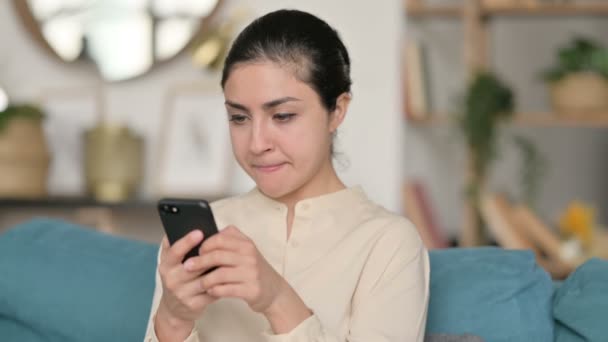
<point>281,133</point>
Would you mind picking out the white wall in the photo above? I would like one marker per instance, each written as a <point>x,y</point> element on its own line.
<point>371,137</point>
<point>380,148</point>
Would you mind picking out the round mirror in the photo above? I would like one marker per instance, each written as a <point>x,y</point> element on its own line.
<point>124,38</point>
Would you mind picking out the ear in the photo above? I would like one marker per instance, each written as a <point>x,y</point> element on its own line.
<point>337,116</point>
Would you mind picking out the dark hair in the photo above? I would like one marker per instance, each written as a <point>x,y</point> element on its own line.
<point>298,40</point>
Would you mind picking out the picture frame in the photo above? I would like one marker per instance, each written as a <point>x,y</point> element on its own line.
<point>195,158</point>
<point>69,112</point>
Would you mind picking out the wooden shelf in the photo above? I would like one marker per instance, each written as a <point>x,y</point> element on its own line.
<point>433,10</point>
<point>544,119</point>
<point>73,202</point>
<point>551,9</point>
<point>526,119</point>
<point>599,9</point>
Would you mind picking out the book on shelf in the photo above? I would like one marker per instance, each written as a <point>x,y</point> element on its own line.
<point>415,77</point>
<point>418,210</point>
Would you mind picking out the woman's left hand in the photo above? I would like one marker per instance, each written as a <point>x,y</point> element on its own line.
<point>242,271</point>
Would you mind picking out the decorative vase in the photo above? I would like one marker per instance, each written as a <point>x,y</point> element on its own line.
<point>581,94</point>
<point>24,159</point>
<point>113,159</point>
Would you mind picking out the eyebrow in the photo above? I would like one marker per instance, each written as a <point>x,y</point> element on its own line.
<point>266,106</point>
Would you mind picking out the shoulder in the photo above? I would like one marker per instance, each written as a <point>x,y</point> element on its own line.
<point>387,223</point>
<point>395,254</point>
<point>392,233</point>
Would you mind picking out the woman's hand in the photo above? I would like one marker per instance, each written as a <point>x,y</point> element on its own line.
<point>244,273</point>
<point>183,299</point>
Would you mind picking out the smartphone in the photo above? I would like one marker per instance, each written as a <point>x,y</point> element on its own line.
<point>181,216</point>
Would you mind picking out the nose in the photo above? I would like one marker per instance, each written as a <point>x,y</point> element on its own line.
<point>260,138</point>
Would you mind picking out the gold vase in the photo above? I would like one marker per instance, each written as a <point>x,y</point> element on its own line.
<point>113,162</point>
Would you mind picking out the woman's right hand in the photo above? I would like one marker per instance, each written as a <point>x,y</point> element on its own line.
<point>183,299</point>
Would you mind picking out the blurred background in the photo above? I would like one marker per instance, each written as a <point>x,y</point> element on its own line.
<point>483,121</point>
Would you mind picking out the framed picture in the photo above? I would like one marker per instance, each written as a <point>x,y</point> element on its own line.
<point>69,113</point>
<point>194,144</point>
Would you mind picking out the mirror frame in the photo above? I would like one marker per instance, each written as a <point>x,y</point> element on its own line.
<point>31,25</point>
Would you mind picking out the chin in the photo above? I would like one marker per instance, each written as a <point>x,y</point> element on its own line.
<point>275,190</point>
<point>272,191</point>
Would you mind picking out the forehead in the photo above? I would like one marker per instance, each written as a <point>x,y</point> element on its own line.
<point>259,82</point>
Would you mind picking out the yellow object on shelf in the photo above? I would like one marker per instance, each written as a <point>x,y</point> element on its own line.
<point>578,221</point>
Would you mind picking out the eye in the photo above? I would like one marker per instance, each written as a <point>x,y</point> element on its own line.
<point>237,119</point>
<point>283,117</point>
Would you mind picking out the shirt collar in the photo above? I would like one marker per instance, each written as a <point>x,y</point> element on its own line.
<point>345,198</point>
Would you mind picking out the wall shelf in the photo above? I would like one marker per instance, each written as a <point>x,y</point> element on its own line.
<point>587,9</point>
<point>525,119</point>
<point>475,17</point>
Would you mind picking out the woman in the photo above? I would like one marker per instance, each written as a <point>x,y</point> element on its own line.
<point>302,257</point>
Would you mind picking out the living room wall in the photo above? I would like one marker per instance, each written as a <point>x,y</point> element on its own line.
<point>379,148</point>
<point>370,139</point>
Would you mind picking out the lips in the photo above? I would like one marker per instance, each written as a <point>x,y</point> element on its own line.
<point>268,167</point>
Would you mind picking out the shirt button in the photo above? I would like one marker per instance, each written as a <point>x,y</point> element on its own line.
<point>305,206</point>
<point>294,244</point>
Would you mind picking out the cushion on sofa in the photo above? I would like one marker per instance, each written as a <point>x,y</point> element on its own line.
<point>497,294</point>
<point>580,305</point>
<point>61,282</point>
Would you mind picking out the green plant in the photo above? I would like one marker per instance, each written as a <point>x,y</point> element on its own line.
<point>27,111</point>
<point>533,169</point>
<point>581,55</point>
<point>487,102</point>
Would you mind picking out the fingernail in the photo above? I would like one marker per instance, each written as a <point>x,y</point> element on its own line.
<point>197,234</point>
<point>188,265</point>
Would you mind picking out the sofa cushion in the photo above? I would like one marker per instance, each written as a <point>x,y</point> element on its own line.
<point>497,294</point>
<point>62,282</point>
<point>580,305</point>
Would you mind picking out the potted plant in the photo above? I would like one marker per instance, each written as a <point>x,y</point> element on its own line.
<point>579,80</point>
<point>24,156</point>
<point>487,103</point>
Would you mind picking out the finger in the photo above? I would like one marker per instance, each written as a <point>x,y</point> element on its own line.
<point>190,289</point>
<point>223,241</point>
<point>214,258</point>
<point>235,232</point>
<point>164,245</point>
<point>181,247</point>
<point>228,291</point>
<point>194,297</point>
<point>223,276</point>
<point>177,275</point>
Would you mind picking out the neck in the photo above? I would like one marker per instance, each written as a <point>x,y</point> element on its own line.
<point>325,182</point>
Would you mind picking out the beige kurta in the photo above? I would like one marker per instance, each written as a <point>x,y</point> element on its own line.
<point>362,270</point>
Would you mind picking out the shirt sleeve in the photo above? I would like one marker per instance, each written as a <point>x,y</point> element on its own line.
<point>390,303</point>
<point>158,291</point>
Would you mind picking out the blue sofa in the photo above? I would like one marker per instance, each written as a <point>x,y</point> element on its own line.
<point>61,282</point>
